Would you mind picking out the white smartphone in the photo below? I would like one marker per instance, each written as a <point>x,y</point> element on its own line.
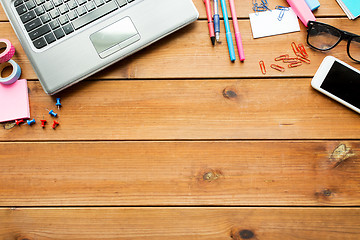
<point>339,81</point>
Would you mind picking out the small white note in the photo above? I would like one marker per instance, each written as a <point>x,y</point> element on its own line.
<point>264,24</point>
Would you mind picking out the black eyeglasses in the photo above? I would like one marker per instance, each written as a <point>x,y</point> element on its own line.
<point>324,37</point>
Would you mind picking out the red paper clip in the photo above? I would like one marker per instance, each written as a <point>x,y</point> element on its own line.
<point>277,67</point>
<point>305,60</point>
<point>291,60</point>
<point>295,47</point>
<point>292,65</point>
<point>262,67</point>
<point>302,50</point>
<point>282,57</point>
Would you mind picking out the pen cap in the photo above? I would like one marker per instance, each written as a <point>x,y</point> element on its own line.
<point>302,10</point>
<point>313,4</point>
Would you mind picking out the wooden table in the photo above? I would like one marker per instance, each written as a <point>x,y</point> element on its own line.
<point>177,142</point>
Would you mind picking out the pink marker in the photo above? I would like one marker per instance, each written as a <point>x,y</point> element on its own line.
<point>302,10</point>
<point>237,31</point>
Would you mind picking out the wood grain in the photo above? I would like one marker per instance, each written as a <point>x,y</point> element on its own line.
<point>188,109</point>
<point>236,173</point>
<point>243,8</point>
<point>188,53</point>
<point>180,223</point>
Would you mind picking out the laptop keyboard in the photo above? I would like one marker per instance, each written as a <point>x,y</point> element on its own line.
<point>47,21</point>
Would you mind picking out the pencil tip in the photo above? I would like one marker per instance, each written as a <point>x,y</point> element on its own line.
<point>212,40</point>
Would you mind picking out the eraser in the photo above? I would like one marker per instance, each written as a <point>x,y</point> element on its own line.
<point>313,4</point>
<point>302,10</point>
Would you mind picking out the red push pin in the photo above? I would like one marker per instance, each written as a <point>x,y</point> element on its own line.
<point>18,122</point>
<point>55,124</point>
<point>43,122</point>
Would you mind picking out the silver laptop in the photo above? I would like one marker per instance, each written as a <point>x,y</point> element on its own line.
<point>68,40</point>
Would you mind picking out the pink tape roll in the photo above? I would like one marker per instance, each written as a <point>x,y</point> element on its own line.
<point>9,51</point>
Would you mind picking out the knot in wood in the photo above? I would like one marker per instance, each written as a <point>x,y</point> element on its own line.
<point>209,176</point>
<point>246,234</point>
<point>327,192</point>
<point>340,154</point>
<point>229,92</point>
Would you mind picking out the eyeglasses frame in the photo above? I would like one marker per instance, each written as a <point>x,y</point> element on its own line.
<point>344,35</point>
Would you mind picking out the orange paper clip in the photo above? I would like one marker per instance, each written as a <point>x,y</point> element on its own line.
<point>295,47</point>
<point>292,65</point>
<point>305,60</point>
<point>277,67</point>
<point>262,67</point>
<point>282,57</point>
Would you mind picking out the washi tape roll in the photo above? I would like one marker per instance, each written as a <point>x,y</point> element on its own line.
<point>14,76</point>
<point>9,51</point>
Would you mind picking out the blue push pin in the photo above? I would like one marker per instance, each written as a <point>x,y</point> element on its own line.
<point>52,113</point>
<point>58,104</point>
<point>31,122</point>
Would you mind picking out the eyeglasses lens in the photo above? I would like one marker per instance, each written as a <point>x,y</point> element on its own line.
<point>354,49</point>
<point>323,37</point>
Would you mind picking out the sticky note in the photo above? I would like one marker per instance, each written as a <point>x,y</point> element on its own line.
<point>14,101</point>
<point>264,24</point>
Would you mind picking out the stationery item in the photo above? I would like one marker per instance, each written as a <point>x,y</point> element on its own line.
<point>210,22</point>
<point>237,31</point>
<point>302,11</point>
<point>282,11</point>
<point>264,24</point>
<point>58,103</point>
<point>216,20</point>
<point>262,7</point>
<point>277,67</point>
<point>350,7</point>
<point>14,76</point>
<point>14,101</point>
<point>31,122</point>
<point>262,67</point>
<point>313,4</point>
<point>9,51</point>
<point>227,31</point>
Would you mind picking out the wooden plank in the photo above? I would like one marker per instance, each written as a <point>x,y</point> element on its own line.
<point>188,53</point>
<point>179,174</point>
<point>180,223</point>
<point>243,8</point>
<point>188,109</point>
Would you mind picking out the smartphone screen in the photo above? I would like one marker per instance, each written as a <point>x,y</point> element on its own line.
<point>344,83</point>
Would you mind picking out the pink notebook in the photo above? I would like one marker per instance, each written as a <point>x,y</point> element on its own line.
<point>14,101</point>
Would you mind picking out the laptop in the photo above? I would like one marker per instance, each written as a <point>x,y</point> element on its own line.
<point>66,41</point>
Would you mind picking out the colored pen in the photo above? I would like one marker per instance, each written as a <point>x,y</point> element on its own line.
<point>227,31</point>
<point>237,31</point>
<point>210,22</point>
<point>216,20</point>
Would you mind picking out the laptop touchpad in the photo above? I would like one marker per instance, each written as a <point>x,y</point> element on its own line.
<point>114,37</point>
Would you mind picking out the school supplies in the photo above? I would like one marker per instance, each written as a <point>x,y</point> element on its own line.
<point>313,4</point>
<point>9,50</point>
<point>265,24</point>
<point>350,7</point>
<point>302,10</point>
<point>210,22</point>
<point>14,101</point>
<point>237,31</point>
<point>15,74</point>
<point>227,31</point>
<point>216,20</point>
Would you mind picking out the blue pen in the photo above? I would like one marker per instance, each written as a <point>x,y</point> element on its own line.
<point>227,31</point>
<point>216,20</point>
